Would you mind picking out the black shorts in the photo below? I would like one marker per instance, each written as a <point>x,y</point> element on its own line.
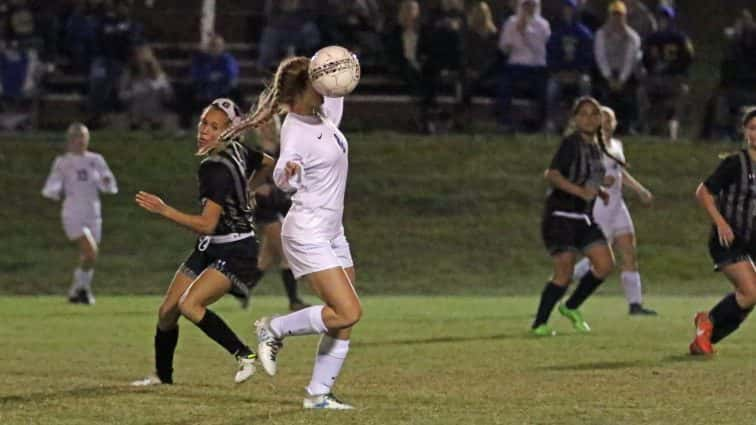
<point>561,234</point>
<point>236,260</point>
<point>272,208</point>
<point>740,250</point>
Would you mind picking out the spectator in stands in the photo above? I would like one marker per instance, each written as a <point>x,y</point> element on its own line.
<point>214,74</point>
<point>401,45</point>
<point>356,25</point>
<point>618,53</point>
<point>117,35</point>
<point>22,26</point>
<point>523,38</point>
<point>145,89</point>
<point>482,58</point>
<point>589,15</point>
<point>19,72</point>
<point>290,30</point>
<point>738,79</point>
<point>667,56</point>
<point>640,18</point>
<point>78,36</point>
<point>441,49</point>
<point>569,53</point>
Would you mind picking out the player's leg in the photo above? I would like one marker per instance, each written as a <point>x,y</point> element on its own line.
<point>206,289</point>
<point>602,260</point>
<point>625,245</point>
<point>87,244</point>
<point>167,330</point>
<point>563,263</point>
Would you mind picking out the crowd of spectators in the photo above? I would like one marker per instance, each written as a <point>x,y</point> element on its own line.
<point>633,58</point>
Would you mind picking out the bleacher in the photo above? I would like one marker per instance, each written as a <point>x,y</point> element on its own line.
<point>381,99</point>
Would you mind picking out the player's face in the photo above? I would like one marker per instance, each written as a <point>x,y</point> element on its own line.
<point>588,118</point>
<point>750,132</point>
<point>78,142</point>
<point>211,125</point>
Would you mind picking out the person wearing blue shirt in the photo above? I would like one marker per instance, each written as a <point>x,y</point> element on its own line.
<point>569,53</point>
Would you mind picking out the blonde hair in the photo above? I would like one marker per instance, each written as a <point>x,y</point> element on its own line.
<point>480,18</point>
<point>289,82</point>
<point>609,111</point>
<point>77,129</point>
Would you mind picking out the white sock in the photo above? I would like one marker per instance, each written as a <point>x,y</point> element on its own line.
<point>76,283</point>
<point>631,283</point>
<point>328,361</point>
<point>86,279</point>
<point>307,321</point>
<point>581,269</point>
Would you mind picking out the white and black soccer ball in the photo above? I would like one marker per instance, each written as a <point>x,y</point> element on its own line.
<point>334,71</point>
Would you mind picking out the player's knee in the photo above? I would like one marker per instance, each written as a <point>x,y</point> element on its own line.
<point>351,315</point>
<point>601,269</point>
<point>167,313</point>
<point>190,309</point>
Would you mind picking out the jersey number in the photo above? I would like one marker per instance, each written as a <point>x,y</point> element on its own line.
<point>81,175</point>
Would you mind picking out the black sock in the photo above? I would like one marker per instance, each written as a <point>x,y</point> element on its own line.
<point>165,346</point>
<point>726,317</point>
<point>551,295</point>
<point>585,288</point>
<point>290,285</point>
<point>214,327</point>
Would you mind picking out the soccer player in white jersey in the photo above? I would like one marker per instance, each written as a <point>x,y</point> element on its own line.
<point>615,221</point>
<point>313,162</point>
<point>77,177</point>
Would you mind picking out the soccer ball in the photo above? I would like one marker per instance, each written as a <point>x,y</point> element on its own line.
<point>334,71</point>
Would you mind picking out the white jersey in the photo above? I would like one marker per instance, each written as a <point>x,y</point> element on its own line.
<point>78,179</point>
<point>613,169</point>
<point>320,149</point>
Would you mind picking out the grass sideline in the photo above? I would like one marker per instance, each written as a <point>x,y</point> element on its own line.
<point>456,214</point>
<point>414,360</point>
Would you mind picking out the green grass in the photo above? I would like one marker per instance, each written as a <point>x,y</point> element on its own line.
<point>442,215</point>
<point>414,360</point>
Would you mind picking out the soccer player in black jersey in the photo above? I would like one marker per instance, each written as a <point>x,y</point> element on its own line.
<point>729,198</point>
<point>576,175</point>
<point>225,255</point>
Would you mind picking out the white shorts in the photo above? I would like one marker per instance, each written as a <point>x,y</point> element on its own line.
<point>614,220</point>
<point>305,257</point>
<point>76,227</point>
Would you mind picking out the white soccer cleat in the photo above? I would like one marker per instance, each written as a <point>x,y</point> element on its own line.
<point>147,382</point>
<point>325,401</point>
<point>246,368</point>
<point>268,346</point>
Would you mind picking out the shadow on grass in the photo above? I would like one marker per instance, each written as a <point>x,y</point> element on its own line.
<point>438,340</point>
<point>598,366</point>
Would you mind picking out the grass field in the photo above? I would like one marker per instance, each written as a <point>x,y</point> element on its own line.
<point>443,215</point>
<point>414,360</point>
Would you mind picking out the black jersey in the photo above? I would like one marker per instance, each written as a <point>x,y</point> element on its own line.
<point>580,163</point>
<point>223,178</point>
<point>734,185</point>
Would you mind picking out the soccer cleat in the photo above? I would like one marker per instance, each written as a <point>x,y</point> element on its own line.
<point>543,330</point>
<point>82,296</point>
<point>147,382</point>
<point>246,368</point>
<point>637,309</point>
<point>268,345</point>
<point>701,344</point>
<point>325,401</point>
<point>575,317</point>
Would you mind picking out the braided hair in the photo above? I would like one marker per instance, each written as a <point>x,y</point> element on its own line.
<point>290,81</point>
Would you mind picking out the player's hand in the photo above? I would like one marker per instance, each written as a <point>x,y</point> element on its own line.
<point>725,234</point>
<point>603,194</point>
<point>646,197</point>
<point>589,193</point>
<point>291,169</point>
<point>151,203</point>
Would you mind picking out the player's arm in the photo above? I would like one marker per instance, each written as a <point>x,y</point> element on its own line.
<point>557,180</point>
<point>53,188</point>
<point>629,181</point>
<point>107,182</point>
<point>290,170</point>
<point>203,223</point>
<point>707,201</point>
